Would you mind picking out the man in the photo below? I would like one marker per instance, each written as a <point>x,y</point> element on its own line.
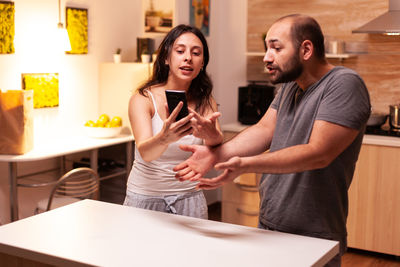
<point>313,131</point>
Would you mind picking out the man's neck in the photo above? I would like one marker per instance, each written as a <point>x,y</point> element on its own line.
<point>313,72</point>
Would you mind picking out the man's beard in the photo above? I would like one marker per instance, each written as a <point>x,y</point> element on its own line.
<point>294,69</point>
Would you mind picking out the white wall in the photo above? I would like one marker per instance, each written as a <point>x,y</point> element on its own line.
<point>112,24</point>
<point>227,44</point>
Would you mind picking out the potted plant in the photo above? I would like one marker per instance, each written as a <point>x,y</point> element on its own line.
<point>117,56</point>
<point>154,56</point>
<point>145,56</point>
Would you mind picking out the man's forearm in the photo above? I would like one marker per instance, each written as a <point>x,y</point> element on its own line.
<point>292,159</point>
<point>251,141</point>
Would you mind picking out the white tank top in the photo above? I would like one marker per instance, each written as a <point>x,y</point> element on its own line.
<point>156,178</point>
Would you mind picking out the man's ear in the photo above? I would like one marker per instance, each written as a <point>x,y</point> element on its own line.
<point>306,50</point>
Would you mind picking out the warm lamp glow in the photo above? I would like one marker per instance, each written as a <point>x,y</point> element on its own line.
<point>63,38</point>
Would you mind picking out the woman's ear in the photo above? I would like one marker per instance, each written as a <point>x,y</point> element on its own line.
<point>306,50</point>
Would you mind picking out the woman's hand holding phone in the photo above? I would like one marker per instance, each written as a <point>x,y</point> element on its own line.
<point>173,99</point>
<point>174,130</point>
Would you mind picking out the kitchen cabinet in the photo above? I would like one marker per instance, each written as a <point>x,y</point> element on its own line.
<point>240,199</point>
<point>374,200</point>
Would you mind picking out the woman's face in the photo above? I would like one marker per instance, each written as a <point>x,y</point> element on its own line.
<point>185,59</point>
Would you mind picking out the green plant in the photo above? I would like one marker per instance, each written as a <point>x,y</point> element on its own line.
<point>118,51</point>
<point>145,52</point>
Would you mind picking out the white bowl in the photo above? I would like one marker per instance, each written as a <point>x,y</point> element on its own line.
<point>101,132</point>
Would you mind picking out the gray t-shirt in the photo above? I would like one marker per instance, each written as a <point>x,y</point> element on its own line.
<point>315,203</point>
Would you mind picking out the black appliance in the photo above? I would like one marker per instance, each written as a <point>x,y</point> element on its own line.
<point>144,44</point>
<point>254,100</point>
<point>382,130</point>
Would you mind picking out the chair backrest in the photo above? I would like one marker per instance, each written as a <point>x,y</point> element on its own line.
<point>78,183</point>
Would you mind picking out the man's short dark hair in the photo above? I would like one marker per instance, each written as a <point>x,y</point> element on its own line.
<point>306,28</point>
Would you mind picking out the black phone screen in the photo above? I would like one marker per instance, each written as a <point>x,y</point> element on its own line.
<point>173,99</point>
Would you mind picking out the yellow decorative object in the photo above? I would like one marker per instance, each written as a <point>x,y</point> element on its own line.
<point>7,28</point>
<point>116,122</point>
<point>77,27</point>
<point>104,122</point>
<point>45,88</point>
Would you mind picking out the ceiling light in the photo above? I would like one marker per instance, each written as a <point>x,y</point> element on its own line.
<point>63,37</point>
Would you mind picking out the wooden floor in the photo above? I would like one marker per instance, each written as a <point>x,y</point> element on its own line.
<point>360,258</point>
<point>353,258</point>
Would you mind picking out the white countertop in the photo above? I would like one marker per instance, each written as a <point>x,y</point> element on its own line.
<point>103,234</point>
<point>368,138</point>
<point>60,145</point>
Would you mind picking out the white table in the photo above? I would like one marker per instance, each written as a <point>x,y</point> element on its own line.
<point>58,147</point>
<point>97,233</point>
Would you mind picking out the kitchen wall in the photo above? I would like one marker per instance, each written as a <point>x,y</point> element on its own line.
<point>112,24</point>
<point>377,57</point>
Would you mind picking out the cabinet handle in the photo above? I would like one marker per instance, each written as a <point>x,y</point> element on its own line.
<point>245,212</point>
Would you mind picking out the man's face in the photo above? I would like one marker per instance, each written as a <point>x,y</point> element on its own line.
<point>282,59</point>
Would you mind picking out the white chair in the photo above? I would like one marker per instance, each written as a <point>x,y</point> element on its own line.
<point>75,185</point>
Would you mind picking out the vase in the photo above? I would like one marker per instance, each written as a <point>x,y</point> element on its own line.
<point>117,58</point>
<point>145,58</point>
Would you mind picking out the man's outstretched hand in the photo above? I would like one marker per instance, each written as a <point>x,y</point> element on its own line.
<point>202,160</point>
<point>231,170</point>
<point>198,164</point>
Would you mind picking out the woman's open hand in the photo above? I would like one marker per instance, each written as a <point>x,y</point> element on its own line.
<point>206,128</point>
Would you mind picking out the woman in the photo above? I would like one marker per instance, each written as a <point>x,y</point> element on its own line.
<point>180,65</point>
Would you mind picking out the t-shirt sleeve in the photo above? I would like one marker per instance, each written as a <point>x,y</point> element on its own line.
<point>277,99</point>
<point>346,102</point>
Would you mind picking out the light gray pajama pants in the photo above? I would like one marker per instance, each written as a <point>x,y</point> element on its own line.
<point>191,204</point>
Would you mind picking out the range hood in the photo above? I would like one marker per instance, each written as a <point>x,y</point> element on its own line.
<point>388,23</point>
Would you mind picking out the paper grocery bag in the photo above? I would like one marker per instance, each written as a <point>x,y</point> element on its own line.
<point>16,121</point>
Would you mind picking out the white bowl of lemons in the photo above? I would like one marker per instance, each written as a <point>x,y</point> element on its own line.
<point>104,127</point>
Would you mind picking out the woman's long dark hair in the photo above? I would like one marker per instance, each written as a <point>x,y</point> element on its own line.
<point>200,88</point>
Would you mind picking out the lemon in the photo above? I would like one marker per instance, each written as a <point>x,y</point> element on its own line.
<point>90,123</point>
<point>104,118</point>
<point>116,122</point>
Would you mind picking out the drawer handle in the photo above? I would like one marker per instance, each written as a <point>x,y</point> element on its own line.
<point>249,213</point>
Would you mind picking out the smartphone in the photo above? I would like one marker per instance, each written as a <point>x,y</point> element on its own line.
<point>173,99</point>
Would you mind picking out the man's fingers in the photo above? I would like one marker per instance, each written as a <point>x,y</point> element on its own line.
<point>187,148</point>
<point>180,167</point>
<point>222,166</point>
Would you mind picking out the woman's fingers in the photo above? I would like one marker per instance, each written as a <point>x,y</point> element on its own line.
<point>214,116</point>
<point>175,112</point>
